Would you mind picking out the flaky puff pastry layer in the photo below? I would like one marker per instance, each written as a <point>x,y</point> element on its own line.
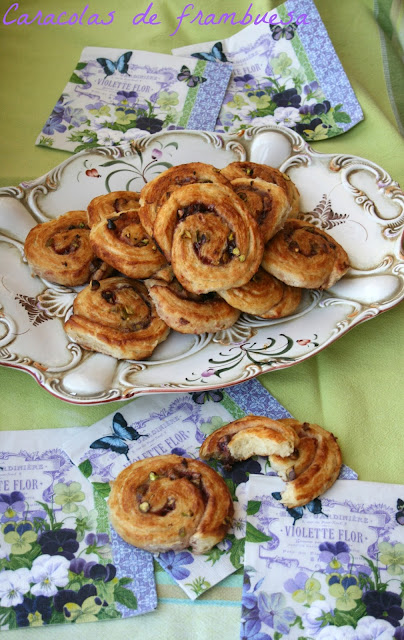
<point>312,468</point>
<point>269,174</point>
<point>303,255</point>
<point>111,204</point>
<point>189,313</point>
<point>267,203</point>
<point>117,317</point>
<point>60,250</point>
<point>170,503</point>
<point>210,238</point>
<point>156,192</point>
<point>264,296</point>
<point>122,242</point>
<point>249,436</point>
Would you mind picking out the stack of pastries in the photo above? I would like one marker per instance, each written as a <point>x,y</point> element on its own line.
<point>190,252</point>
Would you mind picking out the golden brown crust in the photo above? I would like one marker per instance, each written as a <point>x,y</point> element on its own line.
<point>303,255</point>
<point>117,317</point>
<point>267,203</point>
<point>156,192</point>
<point>189,313</point>
<point>248,436</point>
<point>111,204</point>
<point>210,238</point>
<point>170,503</point>
<point>269,174</point>
<point>122,242</point>
<point>315,464</point>
<point>60,250</point>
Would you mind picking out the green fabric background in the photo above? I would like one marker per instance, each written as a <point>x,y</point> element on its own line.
<point>353,388</point>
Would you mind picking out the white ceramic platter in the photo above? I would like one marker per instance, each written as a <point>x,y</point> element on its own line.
<point>351,198</point>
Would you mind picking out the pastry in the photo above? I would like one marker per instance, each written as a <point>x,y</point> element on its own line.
<point>170,503</point>
<point>111,204</point>
<point>122,242</point>
<point>267,203</point>
<point>189,313</point>
<point>303,255</point>
<point>156,192</point>
<point>209,237</point>
<point>264,296</point>
<point>269,174</point>
<point>117,317</point>
<point>60,250</point>
<point>249,436</point>
<point>312,468</point>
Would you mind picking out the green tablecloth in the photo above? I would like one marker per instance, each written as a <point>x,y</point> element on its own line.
<point>354,387</point>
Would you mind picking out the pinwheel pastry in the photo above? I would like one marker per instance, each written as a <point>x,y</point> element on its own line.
<point>267,203</point>
<point>110,204</point>
<point>60,251</point>
<point>117,317</point>
<point>170,503</point>
<point>122,242</point>
<point>312,468</point>
<point>249,436</point>
<point>209,237</point>
<point>156,192</point>
<point>269,174</point>
<point>302,255</point>
<point>188,312</point>
<point>264,296</point>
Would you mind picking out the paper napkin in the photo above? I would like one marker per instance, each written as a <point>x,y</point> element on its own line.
<point>116,96</point>
<point>285,72</point>
<point>332,572</point>
<point>59,561</point>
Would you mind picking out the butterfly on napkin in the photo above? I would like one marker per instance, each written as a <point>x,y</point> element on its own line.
<point>185,75</point>
<point>117,442</point>
<point>297,512</point>
<point>400,511</point>
<point>215,55</point>
<point>287,32</point>
<point>120,65</point>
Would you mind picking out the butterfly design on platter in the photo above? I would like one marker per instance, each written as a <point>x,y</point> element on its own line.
<point>287,32</point>
<point>185,75</point>
<point>400,511</point>
<point>121,433</point>
<point>120,65</point>
<point>215,55</point>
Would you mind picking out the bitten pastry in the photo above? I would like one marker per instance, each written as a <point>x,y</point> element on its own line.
<point>267,203</point>
<point>60,250</point>
<point>269,174</point>
<point>122,242</point>
<point>303,255</point>
<point>264,296</point>
<point>170,503</point>
<point>312,468</point>
<point>111,204</point>
<point>209,237</point>
<point>156,192</point>
<point>189,313</point>
<point>249,436</point>
<point>117,317</point>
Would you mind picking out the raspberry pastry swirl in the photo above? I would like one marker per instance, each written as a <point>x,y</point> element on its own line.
<point>267,203</point>
<point>156,192</point>
<point>209,237</point>
<point>60,250</point>
<point>170,503</point>
<point>312,468</point>
<point>123,243</point>
<point>302,255</point>
<point>117,317</point>
<point>269,174</point>
<point>189,313</point>
<point>111,204</point>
